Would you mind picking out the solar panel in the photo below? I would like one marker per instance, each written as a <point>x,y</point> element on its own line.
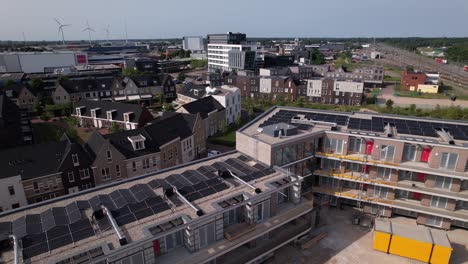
<point>19,227</point>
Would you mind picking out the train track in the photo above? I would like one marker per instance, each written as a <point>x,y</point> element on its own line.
<point>402,58</point>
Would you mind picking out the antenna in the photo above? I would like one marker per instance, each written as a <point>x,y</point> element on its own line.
<point>89,29</point>
<point>60,29</point>
<point>126,32</point>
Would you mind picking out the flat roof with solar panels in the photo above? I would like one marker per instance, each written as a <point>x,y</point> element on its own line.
<point>418,129</point>
<point>75,223</point>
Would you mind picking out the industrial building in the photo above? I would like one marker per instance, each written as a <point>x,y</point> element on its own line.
<point>41,62</point>
<point>385,164</point>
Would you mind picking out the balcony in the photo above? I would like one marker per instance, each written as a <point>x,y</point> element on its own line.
<point>406,165</point>
<point>281,220</point>
<point>405,185</point>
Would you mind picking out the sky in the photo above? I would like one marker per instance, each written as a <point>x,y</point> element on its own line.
<point>150,19</point>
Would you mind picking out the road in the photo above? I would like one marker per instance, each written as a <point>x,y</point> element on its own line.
<point>387,93</point>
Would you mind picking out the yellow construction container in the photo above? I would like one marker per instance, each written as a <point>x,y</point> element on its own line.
<point>382,235</point>
<point>419,243</point>
<point>442,248</point>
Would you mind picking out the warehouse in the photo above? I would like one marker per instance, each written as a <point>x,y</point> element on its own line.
<point>40,62</point>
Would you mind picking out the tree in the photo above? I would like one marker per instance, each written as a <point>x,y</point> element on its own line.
<point>181,76</point>
<point>168,108</point>
<point>115,128</point>
<point>10,82</point>
<point>300,101</point>
<point>36,84</point>
<point>317,57</point>
<point>238,122</point>
<point>131,72</point>
<point>389,104</point>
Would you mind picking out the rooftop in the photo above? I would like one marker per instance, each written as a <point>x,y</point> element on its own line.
<point>72,223</point>
<point>416,129</point>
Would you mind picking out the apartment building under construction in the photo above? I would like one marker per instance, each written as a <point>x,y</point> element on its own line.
<point>387,165</point>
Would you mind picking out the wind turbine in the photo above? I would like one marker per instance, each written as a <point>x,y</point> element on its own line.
<point>107,30</point>
<point>89,29</point>
<point>60,29</point>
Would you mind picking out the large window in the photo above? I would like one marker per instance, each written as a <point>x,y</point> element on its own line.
<point>443,182</point>
<point>233,216</point>
<point>387,152</point>
<point>263,210</point>
<point>71,177</point>
<point>173,240</point>
<point>384,173</point>
<point>84,174</point>
<point>76,162</point>
<point>409,152</point>
<point>109,155</point>
<point>105,173</point>
<point>440,202</point>
<point>206,234</point>
<point>448,160</point>
<point>146,163</point>
<point>354,145</point>
<point>334,145</point>
<point>380,191</point>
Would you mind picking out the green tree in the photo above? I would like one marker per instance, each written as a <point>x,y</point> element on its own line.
<point>389,104</point>
<point>181,76</point>
<point>131,72</point>
<point>115,128</point>
<point>238,122</point>
<point>300,101</point>
<point>10,82</point>
<point>168,107</point>
<point>36,84</point>
<point>317,57</point>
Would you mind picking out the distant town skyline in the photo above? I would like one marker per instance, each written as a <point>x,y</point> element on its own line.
<point>175,19</point>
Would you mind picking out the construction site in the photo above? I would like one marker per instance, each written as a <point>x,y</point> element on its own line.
<point>339,239</point>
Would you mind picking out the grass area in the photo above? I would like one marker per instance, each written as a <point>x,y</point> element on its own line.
<point>47,132</point>
<point>228,139</point>
<point>388,78</point>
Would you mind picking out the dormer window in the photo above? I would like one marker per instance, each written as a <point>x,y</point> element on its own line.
<point>78,110</point>
<point>127,116</point>
<point>138,142</point>
<point>110,114</point>
<point>94,111</point>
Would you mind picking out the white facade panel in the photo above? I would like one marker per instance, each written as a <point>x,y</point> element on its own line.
<point>11,193</point>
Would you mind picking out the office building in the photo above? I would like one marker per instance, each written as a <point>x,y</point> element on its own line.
<point>228,52</point>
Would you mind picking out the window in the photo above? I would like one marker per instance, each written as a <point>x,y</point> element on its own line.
<point>409,152</point>
<point>387,152</point>
<point>76,162</point>
<point>139,145</point>
<point>71,176</point>
<point>355,144</point>
<point>11,190</point>
<point>206,234</point>
<point>443,182</point>
<point>117,170</point>
<point>384,173</point>
<point>109,155</point>
<point>146,164</point>
<point>262,210</point>
<point>109,115</point>
<point>448,160</point>
<point>334,145</point>
<point>15,205</point>
<point>434,220</point>
<point>154,161</point>
<point>380,191</point>
<point>133,166</point>
<point>105,173</point>
<point>84,174</point>
<point>440,202</point>
<point>173,240</point>
<point>232,217</point>
<point>36,187</point>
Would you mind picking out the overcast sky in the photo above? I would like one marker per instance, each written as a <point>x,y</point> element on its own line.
<point>257,18</point>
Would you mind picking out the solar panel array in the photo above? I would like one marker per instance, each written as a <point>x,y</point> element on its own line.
<point>60,226</point>
<point>285,116</point>
<point>376,124</point>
